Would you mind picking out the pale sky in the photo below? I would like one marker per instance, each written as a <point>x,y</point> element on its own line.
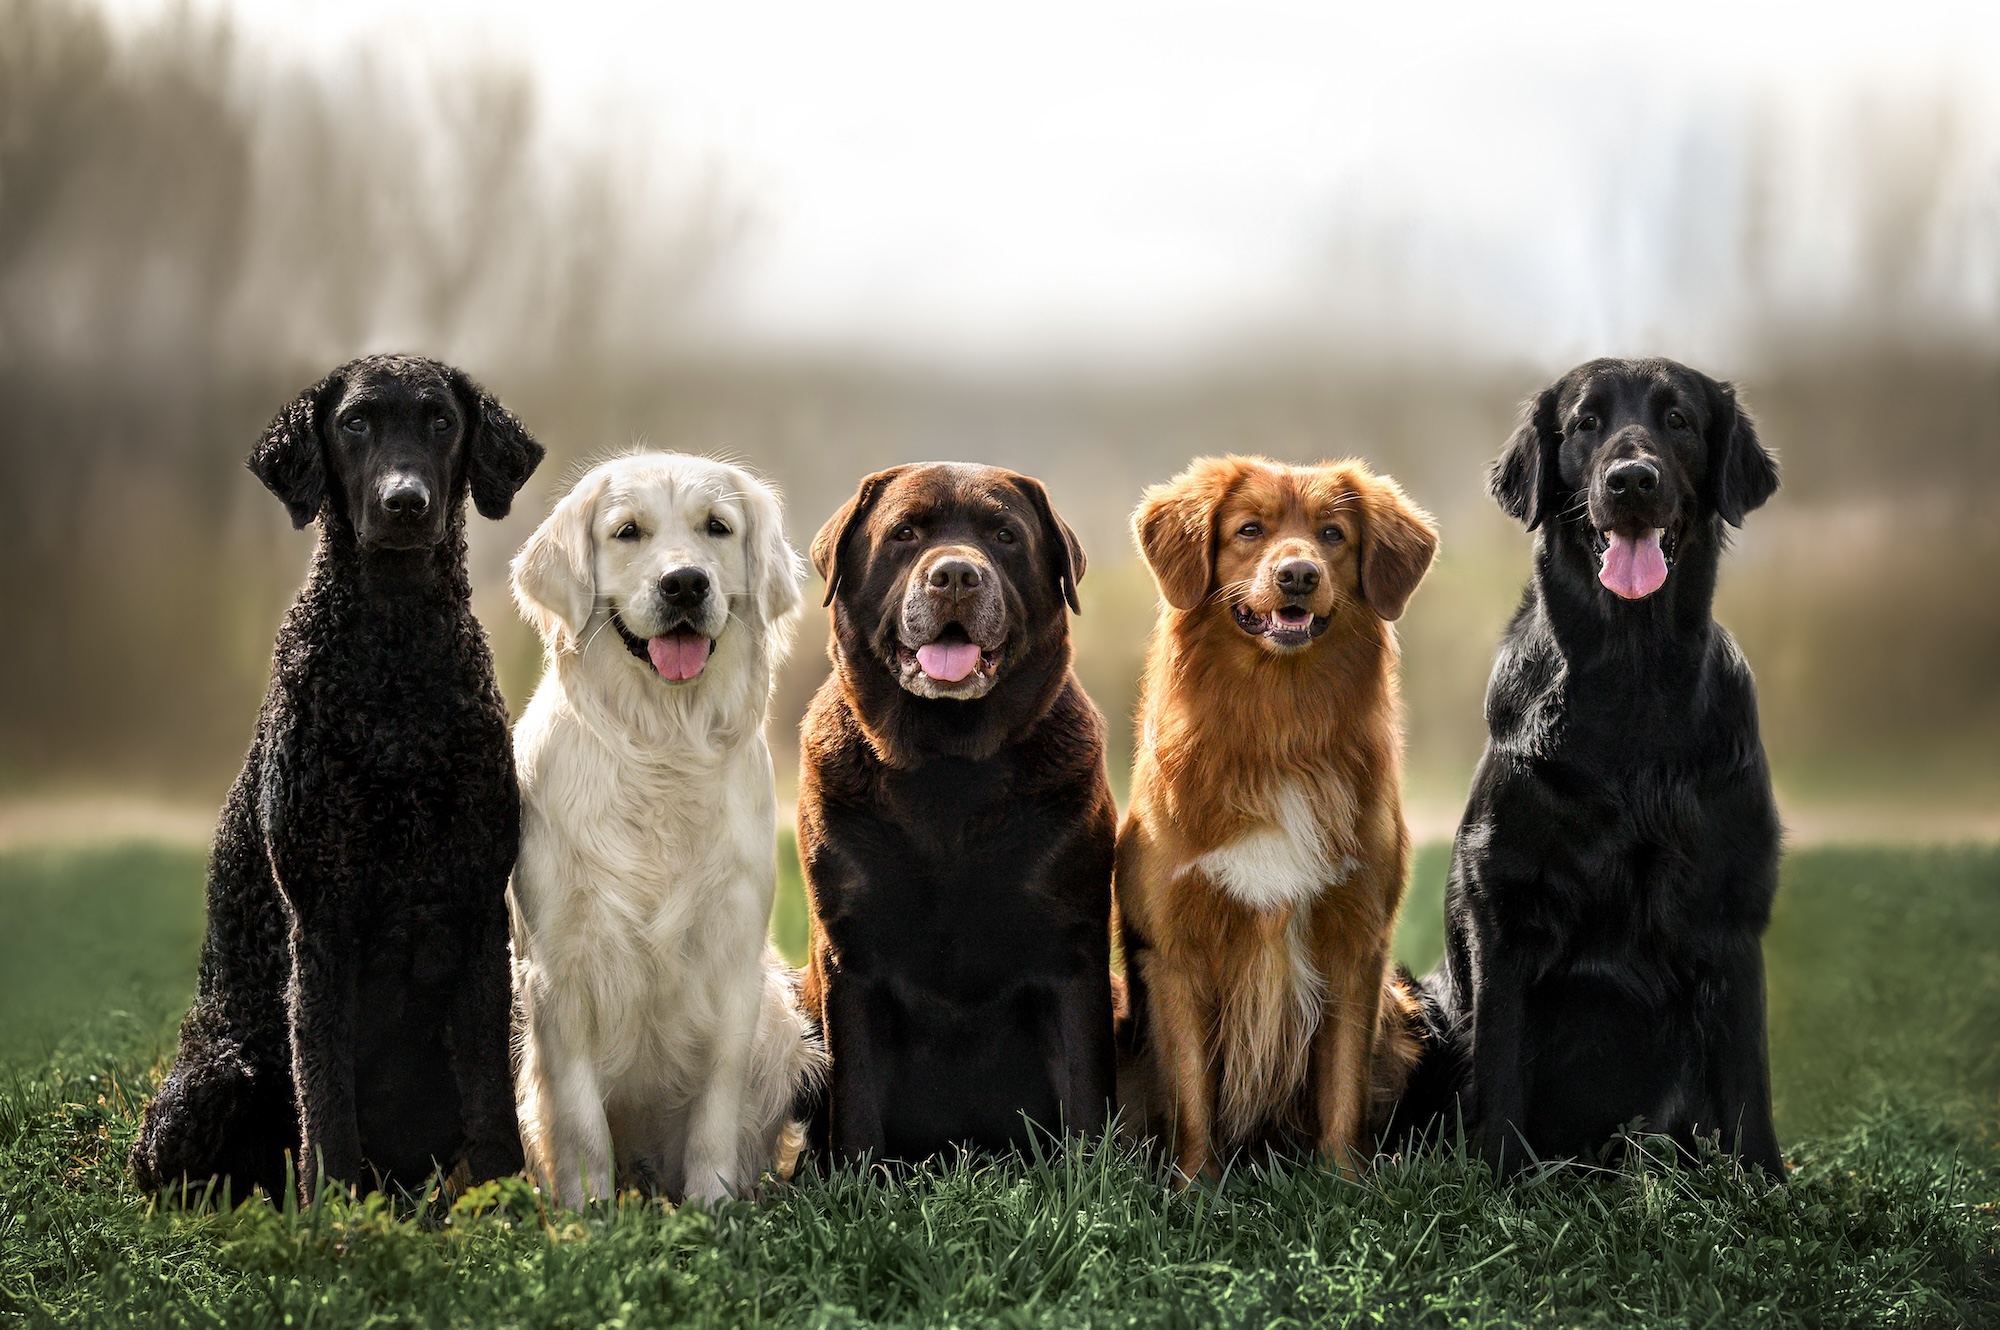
<point>984,179</point>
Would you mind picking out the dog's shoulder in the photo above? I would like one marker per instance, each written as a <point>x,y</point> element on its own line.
<point>1065,748</point>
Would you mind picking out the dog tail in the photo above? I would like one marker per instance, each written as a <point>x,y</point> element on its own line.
<point>1419,1063</point>
<point>788,1078</point>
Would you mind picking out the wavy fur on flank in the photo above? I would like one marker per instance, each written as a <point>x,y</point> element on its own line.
<point>661,1042</point>
<point>1262,861</point>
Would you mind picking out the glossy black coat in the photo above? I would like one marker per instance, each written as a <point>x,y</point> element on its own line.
<point>1615,868</point>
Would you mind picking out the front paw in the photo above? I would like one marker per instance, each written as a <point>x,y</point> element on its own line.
<point>710,1188</point>
<point>486,1160</point>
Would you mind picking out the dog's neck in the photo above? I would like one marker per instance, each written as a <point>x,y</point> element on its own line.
<point>391,585</point>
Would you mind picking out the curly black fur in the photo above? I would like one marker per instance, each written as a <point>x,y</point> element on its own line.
<point>353,1008</point>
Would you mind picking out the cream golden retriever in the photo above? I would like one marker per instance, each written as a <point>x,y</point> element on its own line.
<point>661,1038</point>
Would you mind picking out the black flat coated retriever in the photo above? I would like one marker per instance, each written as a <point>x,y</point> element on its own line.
<point>955,825</point>
<point>1614,871</point>
<point>353,1009</point>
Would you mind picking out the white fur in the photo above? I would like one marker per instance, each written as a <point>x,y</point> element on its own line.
<point>1282,863</point>
<point>661,1041</point>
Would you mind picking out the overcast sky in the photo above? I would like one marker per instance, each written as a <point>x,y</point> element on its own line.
<point>979,179</point>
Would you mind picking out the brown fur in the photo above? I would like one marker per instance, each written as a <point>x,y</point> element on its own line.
<point>1232,1043</point>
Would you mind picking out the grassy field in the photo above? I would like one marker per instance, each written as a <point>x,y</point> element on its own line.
<point>1885,1024</point>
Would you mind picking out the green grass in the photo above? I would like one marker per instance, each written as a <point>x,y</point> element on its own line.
<point>1884,1014</point>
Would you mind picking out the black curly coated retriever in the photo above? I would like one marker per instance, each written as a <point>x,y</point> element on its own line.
<point>354,1006</point>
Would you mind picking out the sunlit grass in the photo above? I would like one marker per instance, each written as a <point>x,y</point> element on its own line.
<point>1889,1218</point>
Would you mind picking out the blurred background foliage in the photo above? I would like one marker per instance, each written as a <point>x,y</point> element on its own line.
<point>192,229</point>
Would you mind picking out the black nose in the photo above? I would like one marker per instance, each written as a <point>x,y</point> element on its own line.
<point>684,588</point>
<point>1298,576</point>
<point>406,498</point>
<point>957,576</point>
<point>1632,477</point>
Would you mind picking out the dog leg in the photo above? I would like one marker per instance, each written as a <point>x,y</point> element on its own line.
<point>322,1011</point>
<point>855,1110</point>
<point>714,1171</point>
<point>1082,1064</point>
<point>1343,1059</point>
<point>1180,1048</point>
<point>481,1027</point>
<point>1740,1068</point>
<point>1499,999</point>
<point>576,1136</point>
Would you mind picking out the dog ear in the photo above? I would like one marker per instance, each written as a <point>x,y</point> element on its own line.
<point>831,542</point>
<point>1062,542</point>
<point>1398,542</point>
<point>288,458</point>
<point>775,567</point>
<point>1742,473</point>
<point>1523,477</point>
<point>500,453</point>
<point>555,575</point>
<point>1175,527</point>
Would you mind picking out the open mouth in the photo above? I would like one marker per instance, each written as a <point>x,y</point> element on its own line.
<point>1633,567</point>
<point>951,658</point>
<point>1286,626</point>
<point>677,655</point>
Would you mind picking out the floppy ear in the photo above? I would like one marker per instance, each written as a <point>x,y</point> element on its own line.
<point>831,542</point>
<point>775,567</point>
<point>1398,542</point>
<point>287,459</point>
<point>1175,527</point>
<point>500,453</point>
<point>1066,549</point>
<point>1742,473</point>
<point>1523,477</point>
<point>555,576</point>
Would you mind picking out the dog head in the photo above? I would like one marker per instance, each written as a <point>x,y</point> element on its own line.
<point>950,576</point>
<point>1626,459</point>
<point>658,556</point>
<point>390,445</point>
<point>1283,552</point>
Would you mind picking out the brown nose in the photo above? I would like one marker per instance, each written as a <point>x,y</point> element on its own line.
<point>954,577</point>
<point>1298,577</point>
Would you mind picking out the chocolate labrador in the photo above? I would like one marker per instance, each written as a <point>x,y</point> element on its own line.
<point>955,825</point>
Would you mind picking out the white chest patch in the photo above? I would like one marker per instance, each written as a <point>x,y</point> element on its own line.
<point>1281,863</point>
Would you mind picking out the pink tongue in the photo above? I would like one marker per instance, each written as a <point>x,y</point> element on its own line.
<point>948,662</point>
<point>679,656</point>
<point>1634,567</point>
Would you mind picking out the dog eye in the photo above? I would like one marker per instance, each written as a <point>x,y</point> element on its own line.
<point>1585,424</point>
<point>1005,535</point>
<point>441,424</point>
<point>1675,420</point>
<point>630,531</point>
<point>355,424</point>
<point>905,532</point>
<point>1333,535</point>
<point>717,527</point>
<point>1250,530</point>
